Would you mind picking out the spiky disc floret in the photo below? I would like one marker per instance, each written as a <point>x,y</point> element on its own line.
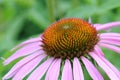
<point>68,38</point>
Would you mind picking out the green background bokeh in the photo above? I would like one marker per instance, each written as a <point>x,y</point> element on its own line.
<point>23,19</point>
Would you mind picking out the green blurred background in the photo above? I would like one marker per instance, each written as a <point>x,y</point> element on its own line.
<point>23,19</point>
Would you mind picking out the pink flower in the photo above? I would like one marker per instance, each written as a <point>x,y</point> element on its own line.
<point>37,62</point>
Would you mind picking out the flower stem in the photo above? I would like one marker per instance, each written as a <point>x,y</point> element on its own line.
<point>50,5</point>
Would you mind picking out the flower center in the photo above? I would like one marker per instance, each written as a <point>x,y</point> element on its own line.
<point>69,38</point>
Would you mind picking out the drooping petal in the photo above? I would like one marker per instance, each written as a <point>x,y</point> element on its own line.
<point>107,68</point>
<point>26,50</point>
<point>20,64</point>
<point>98,50</point>
<point>67,71</point>
<point>32,40</point>
<point>97,25</point>
<point>40,71</point>
<point>110,35</point>
<point>53,71</point>
<point>111,47</point>
<point>110,38</point>
<point>27,68</point>
<point>77,70</point>
<point>108,26</point>
<point>93,72</point>
<point>112,42</point>
<point>109,64</point>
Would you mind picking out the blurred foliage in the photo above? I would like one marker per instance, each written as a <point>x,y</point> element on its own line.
<point>22,19</point>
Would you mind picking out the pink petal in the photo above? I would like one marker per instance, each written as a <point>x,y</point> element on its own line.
<point>77,70</point>
<point>112,42</point>
<point>32,40</point>
<point>112,74</point>
<point>94,73</point>
<point>111,47</point>
<point>109,64</point>
<point>40,71</point>
<point>67,71</point>
<point>110,35</point>
<point>20,64</point>
<point>108,26</point>
<point>98,50</point>
<point>26,50</point>
<point>110,38</point>
<point>53,71</point>
<point>27,68</point>
<point>97,25</point>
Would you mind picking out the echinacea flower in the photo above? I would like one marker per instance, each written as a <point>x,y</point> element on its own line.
<point>63,50</point>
